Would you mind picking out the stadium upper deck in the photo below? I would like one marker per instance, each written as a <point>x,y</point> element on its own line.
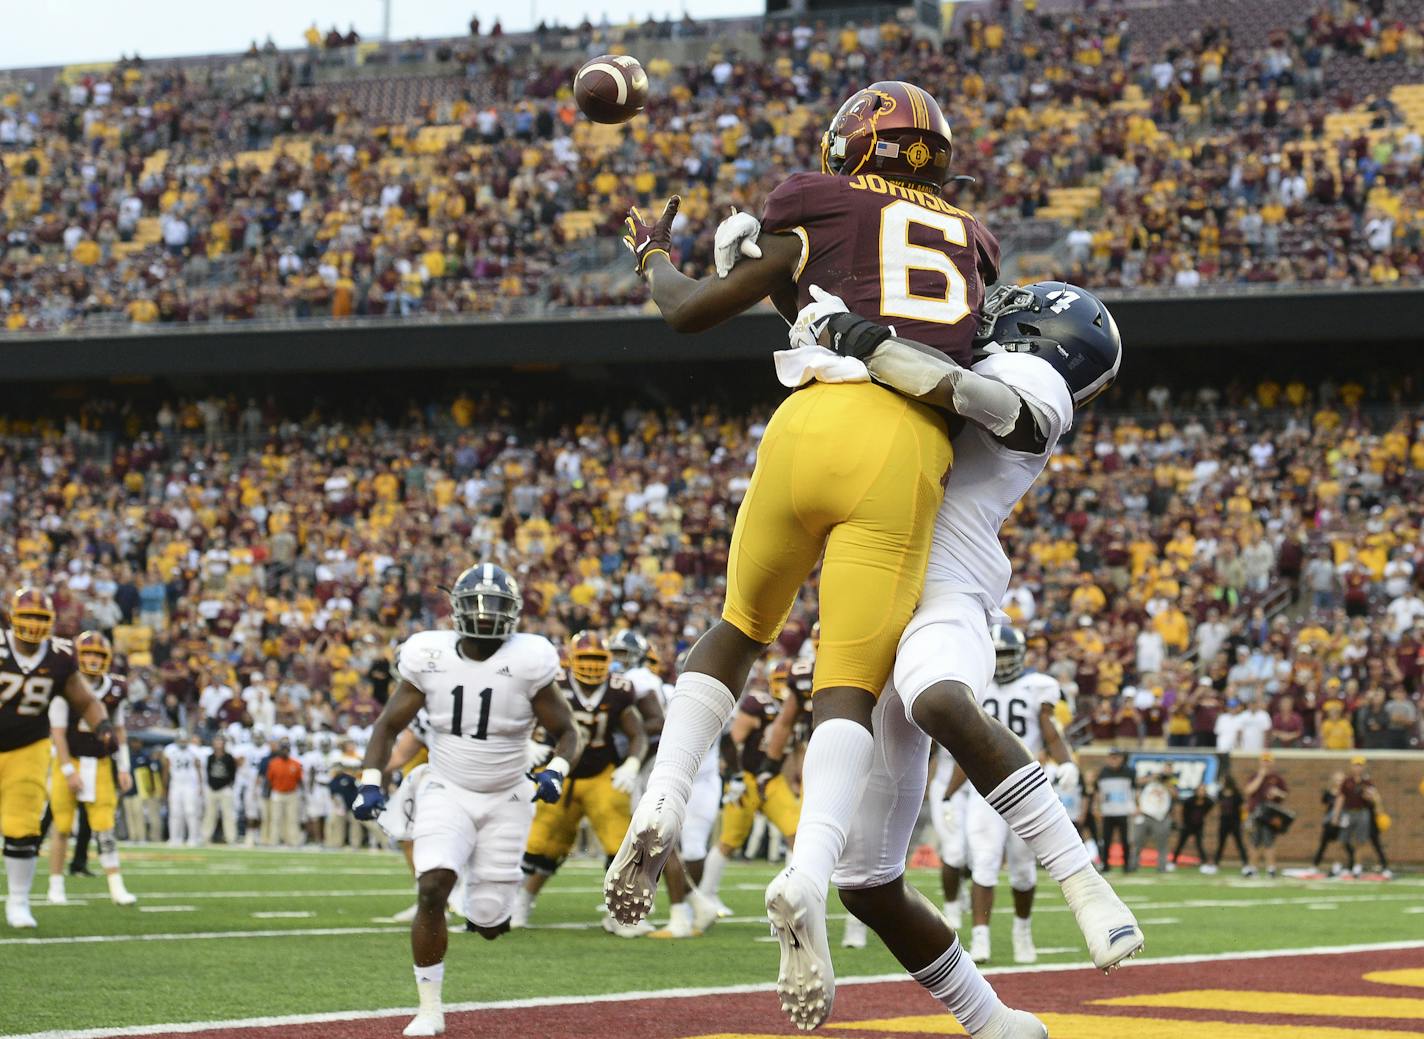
<point>1146,147</point>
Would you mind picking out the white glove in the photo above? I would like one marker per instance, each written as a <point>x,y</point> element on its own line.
<point>736,790</point>
<point>811,321</point>
<point>736,237</point>
<point>1067,777</point>
<point>536,754</point>
<point>950,814</point>
<point>625,776</point>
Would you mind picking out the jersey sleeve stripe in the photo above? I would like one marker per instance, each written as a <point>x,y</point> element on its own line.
<point>800,232</point>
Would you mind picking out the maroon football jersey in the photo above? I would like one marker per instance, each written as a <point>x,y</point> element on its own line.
<point>26,689</point>
<point>111,691</point>
<point>899,255</point>
<point>763,707</point>
<point>599,715</point>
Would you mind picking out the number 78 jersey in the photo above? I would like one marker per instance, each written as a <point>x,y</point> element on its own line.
<point>1017,704</point>
<point>896,254</point>
<point>480,712</point>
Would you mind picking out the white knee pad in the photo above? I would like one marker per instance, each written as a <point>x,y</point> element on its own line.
<point>984,867</point>
<point>490,904</point>
<point>108,849</point>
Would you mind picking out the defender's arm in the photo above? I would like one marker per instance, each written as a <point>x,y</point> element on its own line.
<point>926,374</point>
<point>552,711</point>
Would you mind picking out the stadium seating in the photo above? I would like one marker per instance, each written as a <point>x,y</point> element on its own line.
<point>1282,519</point>
<point>1154,144</point>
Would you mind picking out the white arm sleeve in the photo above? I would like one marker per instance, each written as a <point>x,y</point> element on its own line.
<point>938,380</point>
<point>59,713</point>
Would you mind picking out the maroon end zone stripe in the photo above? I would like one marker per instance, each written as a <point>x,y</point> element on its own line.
<point>1050,992</point>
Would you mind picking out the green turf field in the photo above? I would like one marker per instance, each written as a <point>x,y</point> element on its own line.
<point>226,934</point>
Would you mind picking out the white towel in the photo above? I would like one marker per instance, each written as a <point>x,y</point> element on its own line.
<point>89,777</point>
<point>802,364</point>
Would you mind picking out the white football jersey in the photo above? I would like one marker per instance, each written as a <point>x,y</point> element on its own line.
<point>186,764</point>
<point>315,773</point>
<point>1017,704</point>
<point>645,682</point>
<point>988,479</point>
<point>480,712</point>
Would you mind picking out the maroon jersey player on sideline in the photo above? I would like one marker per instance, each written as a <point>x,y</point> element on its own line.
<point>848,469</point>
<point>35,667</point>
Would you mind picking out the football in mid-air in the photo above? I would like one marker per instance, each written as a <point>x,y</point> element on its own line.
<point>611,88</point>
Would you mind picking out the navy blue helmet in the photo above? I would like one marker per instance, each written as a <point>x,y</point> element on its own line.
<point>629,648</point>
<point>1010,652</point>
<point>1067,326</point>
<point>485,603</point>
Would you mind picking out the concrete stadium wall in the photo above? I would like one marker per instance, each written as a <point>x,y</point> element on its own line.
<point>1206,332</point>
<point>1397,774</point>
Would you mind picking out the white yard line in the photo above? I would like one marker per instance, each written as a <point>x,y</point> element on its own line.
<point>289,1020</point>
<point>163,895</point>
<point>167,936</point>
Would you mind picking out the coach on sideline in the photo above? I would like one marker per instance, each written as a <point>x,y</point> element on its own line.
<point>284,777</point>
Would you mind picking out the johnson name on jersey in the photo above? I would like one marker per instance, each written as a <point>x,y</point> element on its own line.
<point>480,711</point>
<point>26,686</point>
<point>896,254</point>
<point>1017,704</point>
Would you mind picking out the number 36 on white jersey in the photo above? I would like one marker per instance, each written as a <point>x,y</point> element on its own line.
<point>480,711</point>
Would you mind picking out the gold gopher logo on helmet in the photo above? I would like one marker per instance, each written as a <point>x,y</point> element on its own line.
<point>884,104</point>
<point>917,154</point>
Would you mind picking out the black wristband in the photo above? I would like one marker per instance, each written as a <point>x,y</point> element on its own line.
<point>854,336</point>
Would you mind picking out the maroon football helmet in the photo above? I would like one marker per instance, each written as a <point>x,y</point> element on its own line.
<point>31,614</point>
<point>891,128</point>
<point>94,653</point>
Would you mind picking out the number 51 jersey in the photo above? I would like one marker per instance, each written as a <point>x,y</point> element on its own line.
<point>480,712</point>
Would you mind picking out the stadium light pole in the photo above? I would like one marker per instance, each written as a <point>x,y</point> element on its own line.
<point>385,21</point>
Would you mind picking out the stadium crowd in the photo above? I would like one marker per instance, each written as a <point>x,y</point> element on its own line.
<point>1262,587</point>
<point>165,194</point>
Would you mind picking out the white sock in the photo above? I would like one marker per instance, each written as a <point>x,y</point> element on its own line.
<point>680,916</point>
<point>700,706</point>
<point>116,884</point>
<point>1028,804</point>
<point>20,874</point>
<point>838,759</point>
<point>1023,925</point>
<point>427,982</point>
<point>712,873</point>
<point>956,982</point>
<point>979,931</point>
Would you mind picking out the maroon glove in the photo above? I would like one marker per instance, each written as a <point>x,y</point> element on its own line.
<point>643,239</point>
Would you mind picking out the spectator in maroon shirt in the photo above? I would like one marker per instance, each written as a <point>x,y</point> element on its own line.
<point>1206,705</point>
<point>1287,726</point>
<point>233,709</point>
